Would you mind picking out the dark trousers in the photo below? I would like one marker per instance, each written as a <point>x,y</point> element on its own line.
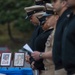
<point>71,74</point>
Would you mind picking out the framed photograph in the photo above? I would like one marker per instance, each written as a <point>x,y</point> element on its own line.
<point>6,59</point>
<point>19,59</point>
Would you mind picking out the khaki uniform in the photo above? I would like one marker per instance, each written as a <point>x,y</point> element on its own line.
<point>61,72</point>
<point>48,63</point>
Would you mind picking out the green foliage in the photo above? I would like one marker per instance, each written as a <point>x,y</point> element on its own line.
<point>24,25</point>
<point>13,11</point>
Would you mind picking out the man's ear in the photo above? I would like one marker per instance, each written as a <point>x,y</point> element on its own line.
<point>64,3</point>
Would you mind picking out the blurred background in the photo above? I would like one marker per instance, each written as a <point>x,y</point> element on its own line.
<point>15,31</point>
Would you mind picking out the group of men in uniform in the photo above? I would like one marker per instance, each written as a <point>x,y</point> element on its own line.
<point>53,37</point>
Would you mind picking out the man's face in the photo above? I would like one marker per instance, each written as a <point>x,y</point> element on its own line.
<point>71,3</point>
<point>34,20</point>
<point>57,5</point>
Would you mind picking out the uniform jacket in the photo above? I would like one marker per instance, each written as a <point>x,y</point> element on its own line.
<point>40,46</point>
<point>61,23</point>
<point>68,45</point>
<point>38,30</point>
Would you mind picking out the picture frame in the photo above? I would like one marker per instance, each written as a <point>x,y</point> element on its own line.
<point>19,59</point>
<point>6,59</point>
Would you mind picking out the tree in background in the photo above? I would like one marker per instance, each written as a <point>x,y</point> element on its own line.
<point>12,12</point>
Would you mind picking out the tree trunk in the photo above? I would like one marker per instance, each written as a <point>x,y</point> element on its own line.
<point>9,32</point>
<point>16,40</point>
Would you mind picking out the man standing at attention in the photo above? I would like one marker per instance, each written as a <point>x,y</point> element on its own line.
<point>68,42</point>
<point>60,7</point>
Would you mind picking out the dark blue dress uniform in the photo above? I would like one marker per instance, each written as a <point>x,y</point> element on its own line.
<point>57,49</point>
<point>37,31</point>
<point>68,46</point>
<point>40,46</point>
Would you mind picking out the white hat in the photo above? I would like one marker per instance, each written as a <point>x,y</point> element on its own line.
<point>34,9</point>
<point>42,17</point>
<point>49,6</point>
<point>39,14</point>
